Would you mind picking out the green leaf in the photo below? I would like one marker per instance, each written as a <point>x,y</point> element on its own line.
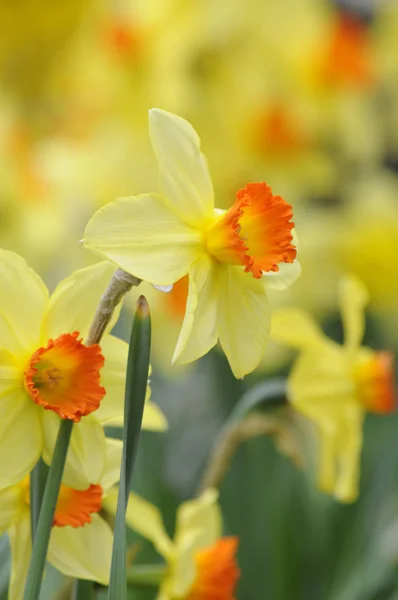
<point>44,525</point>
<point>38,478</point>
<point>136,385</point>
<point>83,590</point>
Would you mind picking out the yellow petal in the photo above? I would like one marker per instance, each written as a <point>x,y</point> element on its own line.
<point>199,330</point>
<point>21,548</point>
<point>73,304</point>
<point>11,503</point>
<point>113,378</point>
<point>83,552</point>
<point>184,174</point>
<point>284,278</point>
<point>353,299</point>
<point>243,319</point>
<point>320,382</point>
<point>86,460</point>
<point>23,300</point>
<point>20,437</point>
<point>145,238</point>
<point>145,519</point>
<point>295,327</point>
<point>10,373</point>
<point>111,474</point>
<point>350,446</point>
<point>198,526</point>
<point>154,419</point>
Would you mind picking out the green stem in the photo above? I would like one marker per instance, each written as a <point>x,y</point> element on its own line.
<point>136,385</point>
<point>44,525</point>
<point>146,575</point>
<point>38,478</point>
<point>83,590</point>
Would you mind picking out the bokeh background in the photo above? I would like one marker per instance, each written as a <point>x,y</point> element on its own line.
<point>300,93</point>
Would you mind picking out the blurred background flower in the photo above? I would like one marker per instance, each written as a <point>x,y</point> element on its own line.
<point>302,94</point>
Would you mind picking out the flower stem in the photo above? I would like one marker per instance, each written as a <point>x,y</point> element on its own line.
<point>136,385</point>
<point>38,478</point>
<point>44,525</point>
<point>146,575</point>
<point>83,590</point>
<point>119,285</point>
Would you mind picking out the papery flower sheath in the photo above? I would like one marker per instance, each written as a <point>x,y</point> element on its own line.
<point>201,563</point>
<point>81,540</point>
<point>48,373</point>
<point>232,257</point>
<point>335,385</point>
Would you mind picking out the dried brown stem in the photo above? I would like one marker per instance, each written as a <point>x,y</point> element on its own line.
<point>232,437</point>
<point>120,284</point>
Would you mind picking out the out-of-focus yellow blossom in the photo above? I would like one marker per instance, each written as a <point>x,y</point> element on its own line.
<point>334,385</point>
<point>47,373</point>
<point>201,563</point>
<point>81,540</point>
<point>232,257</point>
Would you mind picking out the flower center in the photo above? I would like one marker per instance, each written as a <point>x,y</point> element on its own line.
<point>375,380</point>
<point>64,377</point>
<point>217,572</point>
<point>176,300</point>
<point>255,232</point>
<point>75,507</point>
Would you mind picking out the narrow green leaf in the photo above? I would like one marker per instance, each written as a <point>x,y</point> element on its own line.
<point>83,590</point>
<point>38,478</point>
<point>44,525</point>
<point>267,394</point>
<point>136,384</point>
<point>146,575</point>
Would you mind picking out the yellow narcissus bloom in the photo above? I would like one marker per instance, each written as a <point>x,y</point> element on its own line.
<point>233,257</point>
<point>201,563</point>
<point>81,540</point>
<point>335,385</point>
<point>47,373</point>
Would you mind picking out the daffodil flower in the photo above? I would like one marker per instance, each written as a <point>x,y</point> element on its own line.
<point>81,540</point>
<point>201,563</point>
<point>47,373</point>
<point>335,385</point>
<point>232,257</point>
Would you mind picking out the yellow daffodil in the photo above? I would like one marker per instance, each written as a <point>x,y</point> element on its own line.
<point>81,540</point>
<point>201,563</point>
<point>232,257</point>
<point>334,385</point>
<point>47,373</point>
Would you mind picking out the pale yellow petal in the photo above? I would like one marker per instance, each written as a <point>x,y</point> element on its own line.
<point>21,549</point>
<point>184,174</point>
<point>281,280</point>
<point>11,504</point>
<point>113,379</point>
<point>243,319</point>
<point>20,437</point>
<point>295,327</point>
<point>86,459</point>
<point>321,381</point>
<point>145,238</point>
<point>353,300</point>
<point>111,476</point>
<point>83,552</point>
<point>198,526</point>
<point>145,519</point>
<point>10,373</point>
<point>349,459</point>
<point>199,330</point>
<point>23,301</point>
<point>73,304</point>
